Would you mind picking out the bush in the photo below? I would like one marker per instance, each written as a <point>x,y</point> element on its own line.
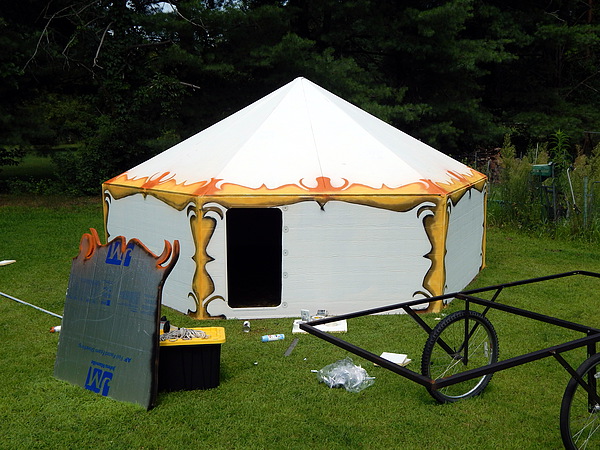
<point>565,205</point>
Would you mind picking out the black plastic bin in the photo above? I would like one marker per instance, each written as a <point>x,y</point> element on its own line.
<point>191,364</point>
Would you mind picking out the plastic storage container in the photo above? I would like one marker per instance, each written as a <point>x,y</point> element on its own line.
<point>191,364</point>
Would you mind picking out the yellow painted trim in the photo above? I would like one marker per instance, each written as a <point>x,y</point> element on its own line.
<point>436,279</point>
<point>435,221</point>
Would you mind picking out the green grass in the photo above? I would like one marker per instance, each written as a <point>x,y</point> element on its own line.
<point>266,400</point>
<point>32,166</point>
<point>35,174</point>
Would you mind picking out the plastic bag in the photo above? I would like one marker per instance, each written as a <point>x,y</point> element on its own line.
<point>344,373</point>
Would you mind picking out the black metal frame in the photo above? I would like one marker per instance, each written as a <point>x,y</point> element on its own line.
<point>590,340</point>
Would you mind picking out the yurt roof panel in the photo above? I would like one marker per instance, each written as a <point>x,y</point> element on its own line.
<point>301,135</point>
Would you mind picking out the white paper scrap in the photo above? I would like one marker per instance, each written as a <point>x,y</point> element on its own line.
<point>340,326</point>
<point>398,358</point>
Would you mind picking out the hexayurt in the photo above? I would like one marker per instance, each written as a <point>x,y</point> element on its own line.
<point>301,200</point>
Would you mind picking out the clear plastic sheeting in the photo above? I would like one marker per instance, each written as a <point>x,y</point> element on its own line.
<point>344,373</point>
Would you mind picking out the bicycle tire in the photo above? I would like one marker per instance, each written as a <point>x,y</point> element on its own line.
<point>580,420</point>
<point>482,349</point>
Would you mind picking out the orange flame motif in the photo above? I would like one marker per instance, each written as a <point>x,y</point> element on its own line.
<point>166,182</point>
<point>403,198</point>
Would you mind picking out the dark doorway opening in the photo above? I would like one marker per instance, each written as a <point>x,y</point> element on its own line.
<point>254,257</point>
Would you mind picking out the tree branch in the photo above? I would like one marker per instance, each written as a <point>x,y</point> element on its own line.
<point>37,46</point>
<point>57,14</point>
<point>185,18</point>
<point>583,83</point>
<point>100,46</point>
<point>193,86</point>
<point>150,44</point>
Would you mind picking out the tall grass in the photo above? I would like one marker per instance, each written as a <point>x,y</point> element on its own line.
<point>267,400</point>
<point>520,199</point>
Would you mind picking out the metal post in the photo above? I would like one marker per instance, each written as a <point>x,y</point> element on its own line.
<point>585,201</point>
<point>594,183</point>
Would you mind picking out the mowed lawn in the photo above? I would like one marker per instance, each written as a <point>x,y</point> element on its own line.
<point>268,400</point>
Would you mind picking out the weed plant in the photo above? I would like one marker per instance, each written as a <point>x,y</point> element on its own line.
<point>522,200</point>
<point>267,400</point>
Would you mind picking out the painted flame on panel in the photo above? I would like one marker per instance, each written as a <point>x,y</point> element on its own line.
<point>164,187</point>
<point>166,182</point>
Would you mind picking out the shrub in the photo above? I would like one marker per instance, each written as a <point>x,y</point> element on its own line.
<point>565,205</point>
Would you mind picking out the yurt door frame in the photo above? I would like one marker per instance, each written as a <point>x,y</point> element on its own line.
<point>254,257</point>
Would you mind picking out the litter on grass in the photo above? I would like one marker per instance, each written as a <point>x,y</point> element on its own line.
<point>397,358</point>
<point>341,326</point>
<point>344,373</point>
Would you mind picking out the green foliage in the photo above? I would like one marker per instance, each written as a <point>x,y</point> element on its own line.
<point>456,74</point>
<point>512,200</point>
<point>560,151</point>
<point>12,42</point>
<point>34,175</point>
<point>115,148</point>
<point>552,86</point>
<point>11,156</point>
<point>522,199</point>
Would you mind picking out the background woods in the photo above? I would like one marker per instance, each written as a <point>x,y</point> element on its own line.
<point>103,85</point>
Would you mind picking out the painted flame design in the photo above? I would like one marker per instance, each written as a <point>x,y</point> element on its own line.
<point>403,198</point>
<point>166,182</point>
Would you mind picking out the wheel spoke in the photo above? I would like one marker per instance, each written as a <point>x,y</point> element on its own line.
<point>590,426</point>
<point>580,419</point>
<point>453,348</point>
<point>449,368</point>
<point>590,431</point>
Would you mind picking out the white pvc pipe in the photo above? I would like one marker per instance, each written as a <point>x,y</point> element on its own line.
<point>29,304</point>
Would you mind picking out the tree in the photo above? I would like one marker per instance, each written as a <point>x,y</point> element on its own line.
<point>117,57</point>
<point>125,79</point>
<point>555,82</point>
<point>431,57</point>
<point>13,124</point>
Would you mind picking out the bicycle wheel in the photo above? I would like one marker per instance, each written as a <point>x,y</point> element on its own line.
<point>462,341</point>
<point>579,411</point>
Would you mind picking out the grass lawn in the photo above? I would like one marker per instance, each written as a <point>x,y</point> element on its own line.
<point>32,166</point>
<point>267,400</point>
<point>35,173</point>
